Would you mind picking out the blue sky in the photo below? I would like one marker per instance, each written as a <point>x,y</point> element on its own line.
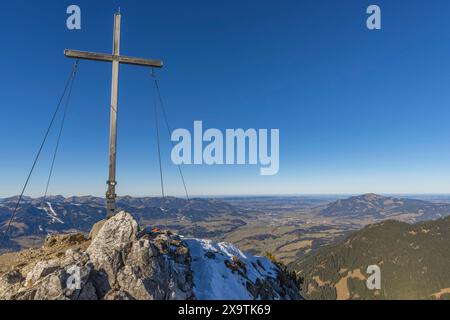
<point>358,110</point>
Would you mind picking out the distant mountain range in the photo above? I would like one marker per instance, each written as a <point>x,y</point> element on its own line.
<point>37,218</point>
<point>378,207</point>
<point>414,261</point>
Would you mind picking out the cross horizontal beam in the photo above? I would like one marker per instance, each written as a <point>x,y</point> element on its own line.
<point>75,54</point>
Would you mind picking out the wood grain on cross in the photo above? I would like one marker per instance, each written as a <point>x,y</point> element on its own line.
<point>116,59</point>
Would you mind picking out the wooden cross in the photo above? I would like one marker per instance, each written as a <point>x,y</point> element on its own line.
<point>116,59</point>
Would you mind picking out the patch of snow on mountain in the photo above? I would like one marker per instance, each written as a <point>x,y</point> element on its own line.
<point>52,213</point>
<point>214,280</point>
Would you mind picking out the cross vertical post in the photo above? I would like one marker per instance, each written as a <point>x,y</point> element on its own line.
<point>111,192</point>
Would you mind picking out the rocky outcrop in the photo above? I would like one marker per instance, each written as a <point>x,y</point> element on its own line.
<point>118,261</point>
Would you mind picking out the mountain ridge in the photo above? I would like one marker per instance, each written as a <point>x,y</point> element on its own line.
<point>376,206</point>
<point>413,258</point>
<point>36,218</point>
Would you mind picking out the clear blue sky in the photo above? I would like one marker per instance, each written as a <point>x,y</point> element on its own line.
<point>358,110</point>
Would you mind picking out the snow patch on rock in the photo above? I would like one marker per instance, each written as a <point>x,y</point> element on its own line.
<point>223,272</point>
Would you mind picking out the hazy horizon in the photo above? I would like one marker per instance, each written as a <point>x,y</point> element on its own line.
<point>339,195</point>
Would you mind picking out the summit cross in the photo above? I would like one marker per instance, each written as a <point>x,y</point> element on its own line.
<point>116,59</point>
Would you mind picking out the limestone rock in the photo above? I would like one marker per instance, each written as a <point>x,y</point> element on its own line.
<point>41,269</point>
<point>9,284</point>
<point>111,245</point>
<point>95,229</point>
<point>120,263</point>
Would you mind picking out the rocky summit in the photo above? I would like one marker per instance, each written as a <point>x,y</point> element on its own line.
<point>121,261</point>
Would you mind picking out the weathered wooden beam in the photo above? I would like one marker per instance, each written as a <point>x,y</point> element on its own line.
<point>75,54</point>
<point>141,62</point>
